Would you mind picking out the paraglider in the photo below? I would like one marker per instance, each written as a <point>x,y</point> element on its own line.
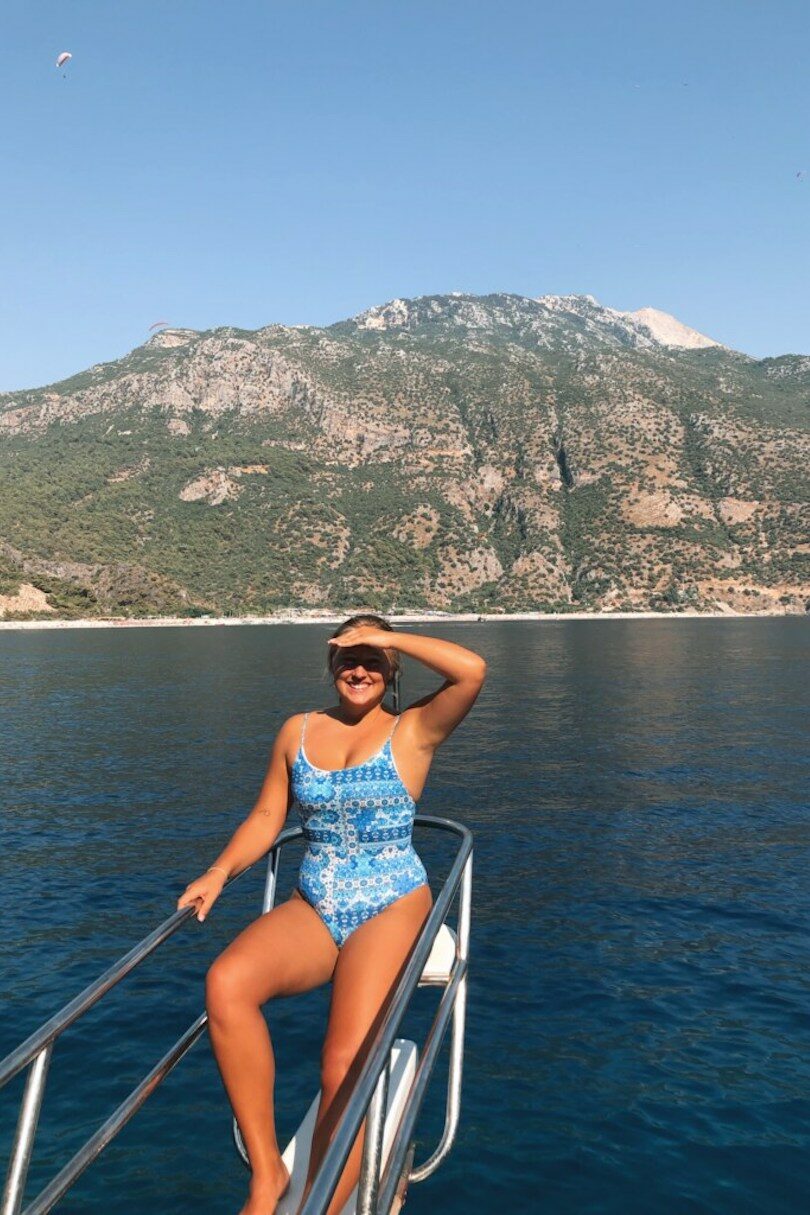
<point>802,173</point>
<point>62,58</point>
<point>158,325</point>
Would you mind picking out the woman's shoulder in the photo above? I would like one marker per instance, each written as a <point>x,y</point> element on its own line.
<point>298,719</point>
<point>407,720</point>
<point>289,736</point>
<point>294,724</point>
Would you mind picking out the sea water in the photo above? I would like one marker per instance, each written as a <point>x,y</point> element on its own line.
<point>638,1033</point>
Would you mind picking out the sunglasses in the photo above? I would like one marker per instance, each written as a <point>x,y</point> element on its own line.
<point>347,662</point>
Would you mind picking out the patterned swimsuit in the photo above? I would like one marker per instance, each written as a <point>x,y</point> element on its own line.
<point>357,825</point>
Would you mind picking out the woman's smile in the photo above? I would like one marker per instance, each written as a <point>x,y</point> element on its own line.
<point>357,683</point>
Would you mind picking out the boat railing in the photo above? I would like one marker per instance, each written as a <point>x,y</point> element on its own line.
<point>381,1189</point>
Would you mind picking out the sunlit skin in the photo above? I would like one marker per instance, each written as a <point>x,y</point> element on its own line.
<point>289,949</point>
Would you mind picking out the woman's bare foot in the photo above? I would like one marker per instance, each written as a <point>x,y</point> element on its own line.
<point>266,1191</point>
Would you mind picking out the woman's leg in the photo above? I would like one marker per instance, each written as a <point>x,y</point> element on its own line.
<point>285,951</point>
<point>368,968</point>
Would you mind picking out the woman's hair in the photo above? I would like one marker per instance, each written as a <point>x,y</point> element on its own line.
<point>377,622</point>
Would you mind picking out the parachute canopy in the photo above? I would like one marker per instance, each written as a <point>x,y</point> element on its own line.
<point>158,325</point>
<point>62,58</point>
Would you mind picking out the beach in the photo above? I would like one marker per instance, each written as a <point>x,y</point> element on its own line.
<point>299,617</point>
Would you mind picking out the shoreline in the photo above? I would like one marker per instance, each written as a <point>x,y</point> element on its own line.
<point>125,622</point>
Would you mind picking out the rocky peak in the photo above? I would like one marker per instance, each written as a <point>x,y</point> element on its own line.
<point>668,330</point>
<point>168,339</point>
<point>559,321</point>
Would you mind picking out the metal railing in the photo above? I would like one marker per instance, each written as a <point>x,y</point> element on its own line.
<point>377,1194</point>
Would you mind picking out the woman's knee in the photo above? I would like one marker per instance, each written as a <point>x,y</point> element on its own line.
<point>225,987</point>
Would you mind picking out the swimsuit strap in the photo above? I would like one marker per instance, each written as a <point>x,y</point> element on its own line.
<point>303,728</point>
<point>387,742</point>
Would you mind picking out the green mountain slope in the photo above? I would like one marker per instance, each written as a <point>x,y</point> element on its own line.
<point>451,452</point>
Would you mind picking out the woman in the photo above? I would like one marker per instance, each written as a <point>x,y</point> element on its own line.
<point>362,894</point>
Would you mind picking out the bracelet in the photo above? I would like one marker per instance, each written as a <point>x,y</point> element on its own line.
<point>212,868</point>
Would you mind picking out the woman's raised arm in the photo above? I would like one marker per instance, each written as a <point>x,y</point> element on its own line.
<point>434,716</point>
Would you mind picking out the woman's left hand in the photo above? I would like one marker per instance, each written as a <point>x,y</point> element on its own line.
<point>363,634</point>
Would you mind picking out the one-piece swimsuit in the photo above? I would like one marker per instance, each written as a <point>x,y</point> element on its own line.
<point>358,827</point>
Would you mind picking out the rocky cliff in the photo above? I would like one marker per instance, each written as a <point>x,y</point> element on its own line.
<point>447,452</point>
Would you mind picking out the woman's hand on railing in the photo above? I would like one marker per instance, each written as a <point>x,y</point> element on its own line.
<point>203,892</point>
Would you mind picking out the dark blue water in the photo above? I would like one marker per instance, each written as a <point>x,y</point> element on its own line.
<point>639,1018</point>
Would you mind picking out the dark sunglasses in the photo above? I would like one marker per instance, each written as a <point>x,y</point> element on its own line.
<point>347,662</point>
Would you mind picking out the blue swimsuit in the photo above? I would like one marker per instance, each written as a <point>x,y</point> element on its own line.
<point>357,825</point>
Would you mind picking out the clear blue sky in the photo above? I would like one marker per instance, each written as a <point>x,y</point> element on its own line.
<point>250,162</point>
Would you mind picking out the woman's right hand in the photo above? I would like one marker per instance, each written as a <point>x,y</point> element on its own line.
<point>203,892</point>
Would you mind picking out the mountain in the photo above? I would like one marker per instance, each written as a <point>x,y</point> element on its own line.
<point>458,452</point>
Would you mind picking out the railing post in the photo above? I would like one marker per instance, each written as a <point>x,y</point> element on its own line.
<point>270,881</point>
<point>373,1145</point>
<point>453,1104</point>
<point>392,1174</point>
<point>26,1130</point>
<point>398,1201</point>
